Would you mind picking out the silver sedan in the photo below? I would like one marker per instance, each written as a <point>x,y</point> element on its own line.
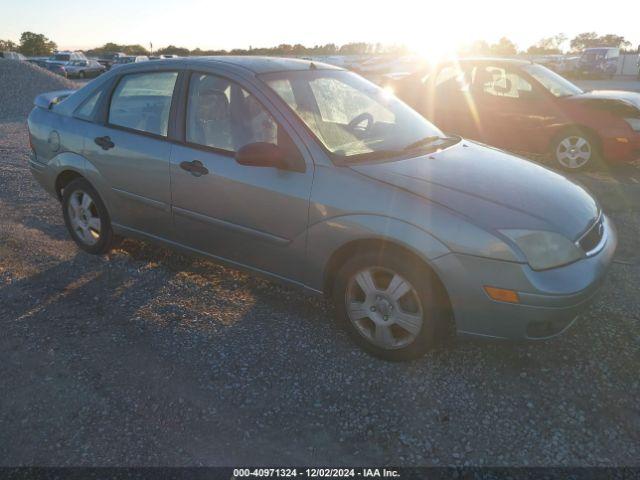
<point>311,175</point>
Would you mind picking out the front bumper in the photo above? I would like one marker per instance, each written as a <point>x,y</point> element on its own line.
<point>624,148</point>
<point>549,300</point>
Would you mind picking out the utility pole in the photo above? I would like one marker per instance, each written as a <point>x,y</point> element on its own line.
<point>150,48</point>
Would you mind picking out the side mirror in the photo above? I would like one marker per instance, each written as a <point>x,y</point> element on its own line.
<point>261,154</point>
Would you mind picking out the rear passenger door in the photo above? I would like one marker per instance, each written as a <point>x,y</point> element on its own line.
<point>130,153</point>
<point>254,216</point>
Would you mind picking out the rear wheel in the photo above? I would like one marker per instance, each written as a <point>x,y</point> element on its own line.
<point>575,150</point>
<point>87,218</point>
<point>391,306</point>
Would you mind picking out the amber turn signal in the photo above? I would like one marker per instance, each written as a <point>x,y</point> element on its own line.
<point>502,294</point>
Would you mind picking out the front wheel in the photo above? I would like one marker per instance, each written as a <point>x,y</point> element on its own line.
<point>86,217</point>
<point>575,150</point>
<point>391,306</point>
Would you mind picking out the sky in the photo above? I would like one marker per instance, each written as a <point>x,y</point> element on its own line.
<point>424,26</point>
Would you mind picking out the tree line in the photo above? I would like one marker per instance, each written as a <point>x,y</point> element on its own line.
<point>36,44</point>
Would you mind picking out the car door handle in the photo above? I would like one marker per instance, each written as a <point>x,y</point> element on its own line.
<point>104,142</point>
<point>194,167</point>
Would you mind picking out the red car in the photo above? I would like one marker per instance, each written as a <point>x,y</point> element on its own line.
<point>525,107</point>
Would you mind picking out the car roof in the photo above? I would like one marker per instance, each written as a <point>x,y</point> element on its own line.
<point>258,64</point>
<point>503,60</point>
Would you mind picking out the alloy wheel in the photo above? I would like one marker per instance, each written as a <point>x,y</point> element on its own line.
<point>384,307</point>
<point>84,217</point>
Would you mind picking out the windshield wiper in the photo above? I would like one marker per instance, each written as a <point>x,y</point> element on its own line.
<point>426,141</point>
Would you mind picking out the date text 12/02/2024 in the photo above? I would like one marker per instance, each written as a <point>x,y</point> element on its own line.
<point>316,472</point>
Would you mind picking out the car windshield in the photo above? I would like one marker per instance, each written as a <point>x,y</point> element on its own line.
<point>554,83</point>
<point>593,55</point>
<point>62,57</point>
<point>353,118</point>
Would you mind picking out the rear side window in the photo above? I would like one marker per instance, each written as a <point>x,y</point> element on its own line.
<point>498,82</point>
<point>142,102</point>
<point>87,110</point>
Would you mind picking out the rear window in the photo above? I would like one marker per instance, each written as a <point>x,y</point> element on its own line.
<point>142,102</point>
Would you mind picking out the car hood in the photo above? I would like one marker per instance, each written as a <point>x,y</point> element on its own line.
<point>613,97</point>
<point>492,188</point>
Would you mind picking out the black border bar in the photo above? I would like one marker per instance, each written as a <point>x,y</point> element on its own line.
<point>391,473</point>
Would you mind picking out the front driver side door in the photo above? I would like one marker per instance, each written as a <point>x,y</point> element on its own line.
<point>249,215</point>
<point>513,113</point>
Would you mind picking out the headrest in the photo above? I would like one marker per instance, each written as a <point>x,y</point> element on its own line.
<point>482,77</point>
<point>503,89</point>
<point>212,86</point>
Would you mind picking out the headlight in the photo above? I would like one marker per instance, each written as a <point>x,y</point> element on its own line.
<point>544,249</point>
<point>634,123</point>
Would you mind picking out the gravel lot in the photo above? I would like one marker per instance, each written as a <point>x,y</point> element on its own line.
<point>147,357</point>
<point>20,82</point>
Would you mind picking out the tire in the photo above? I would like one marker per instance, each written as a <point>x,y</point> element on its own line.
<point>375,321</point>
<point>586,153</point>
<point>80,217</point>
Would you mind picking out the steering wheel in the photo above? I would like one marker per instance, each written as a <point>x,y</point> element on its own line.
<point>355,123</point>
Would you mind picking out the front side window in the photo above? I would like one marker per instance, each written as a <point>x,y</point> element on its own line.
<point>221,114</point>
<point>350,116</point>
<point>593,55</point>
<point>551,81</point>
<point>142,102</point>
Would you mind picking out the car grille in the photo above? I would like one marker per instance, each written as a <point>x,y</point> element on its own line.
<point>590,241</point>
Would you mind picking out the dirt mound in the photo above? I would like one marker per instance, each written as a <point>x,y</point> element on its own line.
<point>20,82</point>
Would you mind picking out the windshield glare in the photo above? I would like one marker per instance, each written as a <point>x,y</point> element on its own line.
<point>351,117</point>
<point>554,83</point>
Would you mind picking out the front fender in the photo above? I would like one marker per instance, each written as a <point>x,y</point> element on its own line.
<point>328,236</point>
